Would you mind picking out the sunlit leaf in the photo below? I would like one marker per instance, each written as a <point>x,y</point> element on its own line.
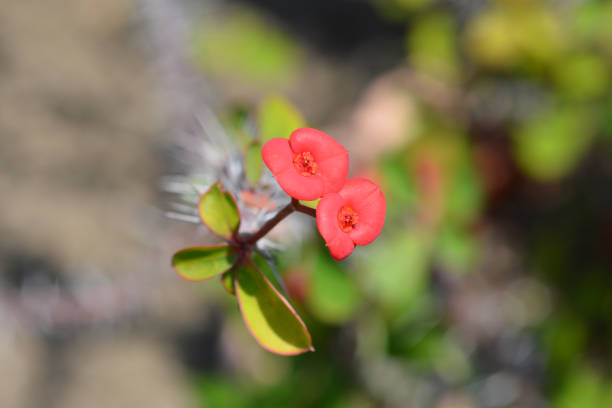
<point>219,212</point>
<point>205,262</point>
<point>278,118</point>
<point>268,315</point>
<point>312,204</point>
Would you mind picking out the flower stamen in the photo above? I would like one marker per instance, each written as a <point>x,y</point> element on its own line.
<point>305,164</point>
<point>347,219</point>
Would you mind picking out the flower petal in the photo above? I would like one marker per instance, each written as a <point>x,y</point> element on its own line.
<point>331,157</point>
<point>368,201</point>
<point>341,247</point>
<point>333,171</point>
<point>277,155</point>
<point>339,243</point>
<point>298,186</point>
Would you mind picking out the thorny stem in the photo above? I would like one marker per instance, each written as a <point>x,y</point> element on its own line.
<point>294,205</point>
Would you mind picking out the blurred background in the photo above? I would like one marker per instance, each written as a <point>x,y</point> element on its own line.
<point>488,124</point>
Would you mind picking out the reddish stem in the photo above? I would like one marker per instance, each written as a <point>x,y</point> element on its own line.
<point>294,205</point>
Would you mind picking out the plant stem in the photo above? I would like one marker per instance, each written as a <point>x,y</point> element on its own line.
<point>302,208</point>
<point>294,205</point>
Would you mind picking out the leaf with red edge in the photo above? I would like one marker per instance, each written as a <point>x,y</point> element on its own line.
<point>268,315</point>
<point>205,262</point>
<point>219,211</point>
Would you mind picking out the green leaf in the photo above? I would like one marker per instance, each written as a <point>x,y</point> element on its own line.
<point>552,144</point>
<point>268,315</point>
<point>398,284</point>
<point>278,118</point>
<point>432,46</point>
<point>219,212</point>
<point>312,204</point>
<point>333,296</point>
<point>227,280</point>
<point>205,262</point>
<point>246,48</point>
<point>253,163</point>
<point>265,268</point>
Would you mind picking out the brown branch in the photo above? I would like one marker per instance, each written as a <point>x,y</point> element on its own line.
<point>294,205</point>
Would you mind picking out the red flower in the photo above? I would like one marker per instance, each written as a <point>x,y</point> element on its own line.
<point>307,165</point>
<point>353,216</point>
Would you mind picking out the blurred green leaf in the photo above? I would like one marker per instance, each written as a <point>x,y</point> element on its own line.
<point>399,10</point>
<point>202,263</point>
<point>431,46</point>
<point>246,47</point>
<point>253,163</point>
<point>552,144</point>
<point>584,388</point>
<point>278,118</point>
<point>268,315</point>
<point>465,190</point>
<point>217,393</point>
<point>438,352</point>
<point>590,25</point>
<point>582,77</point>
<point>237,121</point>
<point>332,295</point>
<point>399,186</point>
<point>395,268</point>
<point>219,212</point>
<point>494,41</point>
<point>456,248</point>
<point>564,337</point>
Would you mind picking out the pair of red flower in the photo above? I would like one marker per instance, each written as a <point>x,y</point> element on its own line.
<point>310,165</point>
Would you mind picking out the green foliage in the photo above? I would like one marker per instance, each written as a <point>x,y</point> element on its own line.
<point>495,42</point>
<point>521,92</point>
<point>269,316</point>
<point>246,47</point>
<point>396,285</point>
<point>552,144</point>
<point>202,263</point>
<point>431,46</point>
<point>332,296</point>
<point>584,388</point>
<point>219,212</point>
<point>311,204</point>
<point>582,77</point>
<point>277,117</point>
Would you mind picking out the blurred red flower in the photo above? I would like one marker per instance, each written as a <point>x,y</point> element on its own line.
<point>353,216</point>
<point>308,165</point>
